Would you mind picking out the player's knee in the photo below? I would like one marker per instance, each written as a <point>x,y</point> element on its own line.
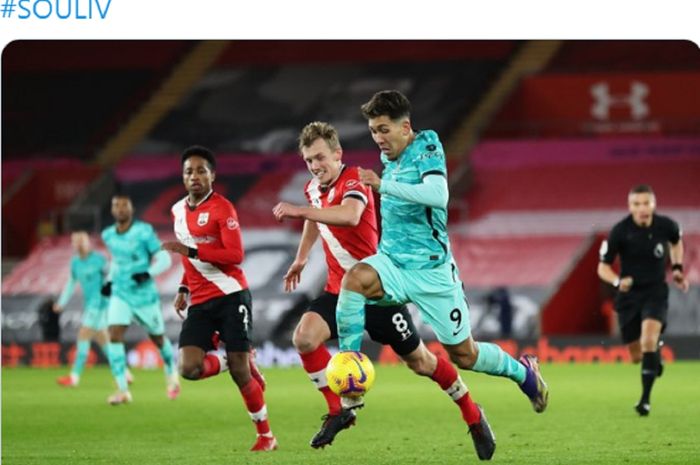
<point>190,370</point>
<point>465,361</point>
<point>304,341</point>
<point>359,278</point>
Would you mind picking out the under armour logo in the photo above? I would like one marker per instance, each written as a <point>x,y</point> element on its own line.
<point>604,100</point>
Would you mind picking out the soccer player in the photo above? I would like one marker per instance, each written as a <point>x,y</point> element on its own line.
<point>414,262</point>
<point>87,268</point>
<point>644,241</point>
<point>342,213</point>
<point>209,240</point>
<point>136,259</point>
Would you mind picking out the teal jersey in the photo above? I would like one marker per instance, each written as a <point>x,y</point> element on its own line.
<point>89,273</point>
<point>131,253</point>
<point>414,236</point>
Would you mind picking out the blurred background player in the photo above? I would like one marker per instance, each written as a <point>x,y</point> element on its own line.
<point>342,212</point>
<point>136,259</point>
<point>414,262</point>
<point>87,268</point>
<point>644,241</point>
<point>209,240</point>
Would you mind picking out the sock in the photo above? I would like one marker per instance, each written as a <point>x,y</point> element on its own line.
<point>314,364</point>
<point>81,355</point>
<point>446,376</point>
<point>494,361</point>
<point>166,352</point>
<point>649,371</point>
<point>117,363</point>
<point>255,403</point>
<point>212,365</point>
<point>350,315</point>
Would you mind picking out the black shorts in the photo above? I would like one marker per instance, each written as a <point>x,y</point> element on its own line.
<point>639,304</point>
<point>231,315</point>
<point>387,325</point>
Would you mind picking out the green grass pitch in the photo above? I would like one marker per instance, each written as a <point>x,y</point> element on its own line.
<point>407,420</point>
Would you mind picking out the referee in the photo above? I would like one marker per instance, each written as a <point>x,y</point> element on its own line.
<point>643,240</point>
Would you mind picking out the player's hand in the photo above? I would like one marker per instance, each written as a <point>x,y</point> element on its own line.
<point>106,289</point>
<point>680,281</point>
<point>626,284</point>
<point>176,247</point>
<point>369,178</point>
<point>293,276</point>
<point>180,304</point>
<point>141,278</point>
<point>56,308</point>
<point>286,210</point>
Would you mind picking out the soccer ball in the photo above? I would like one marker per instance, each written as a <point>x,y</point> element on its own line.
<point>350,374</point>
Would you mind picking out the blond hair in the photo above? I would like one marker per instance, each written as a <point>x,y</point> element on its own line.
<point>319,130</point>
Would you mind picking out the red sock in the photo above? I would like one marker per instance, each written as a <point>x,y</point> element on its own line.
<point>211,366</point>
<point>255,403</point>
<point>446,376</point>
<point>314,364</point>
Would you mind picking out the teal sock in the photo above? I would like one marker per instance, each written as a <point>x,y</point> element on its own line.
<point>350,316</point>
<point>167,353</point>
<point>81,355</point>
<point>117,363</point>
<point>494,361</point>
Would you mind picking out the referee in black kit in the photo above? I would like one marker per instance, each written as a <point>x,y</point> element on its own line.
<point>643,240</point>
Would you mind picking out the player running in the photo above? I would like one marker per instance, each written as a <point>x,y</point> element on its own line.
<point>87,268</point>
<point>414,262</point>
<point>342,213</point>
<point>136,259</point>
<point>209,240</point>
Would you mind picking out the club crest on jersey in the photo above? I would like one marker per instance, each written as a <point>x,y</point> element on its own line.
<point>331,194</point>
<point>659,250</point>
<point>202,218</point>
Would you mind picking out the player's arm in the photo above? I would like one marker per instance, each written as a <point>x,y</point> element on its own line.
<point>183,292</point>
<point>66,294</point>
<point>608,251</point>
<point>308,238</point>
<point>160,259</point>
<point>676,254</point>
<point>431,192</point>
<point>348,213</point>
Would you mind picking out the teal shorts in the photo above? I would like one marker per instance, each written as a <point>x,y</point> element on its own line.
<point>95,319</point>
<point>437,293</point>
<point>150,316</point>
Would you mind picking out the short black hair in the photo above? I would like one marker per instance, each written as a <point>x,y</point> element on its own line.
<point>642,189</point>
<point>391,103</point>
<point>199,151</point>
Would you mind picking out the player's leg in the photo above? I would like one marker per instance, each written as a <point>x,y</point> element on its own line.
<point>81,355</point>
<point>439,295</point>
<point>317,326</point>
<point>360,284</point>
<point>236,314</point>
<point>194,359</point>
<point>117,364</point>
<point>150,317</point>
<point>394,326</point>
<point>651,331</point>
<point>101,337</point>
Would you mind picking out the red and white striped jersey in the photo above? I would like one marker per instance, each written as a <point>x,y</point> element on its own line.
<point>212,228</point>
<point>344,245</point>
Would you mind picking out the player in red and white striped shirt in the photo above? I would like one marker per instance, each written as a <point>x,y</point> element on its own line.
<point>209,240</point>
<point>342,213</point>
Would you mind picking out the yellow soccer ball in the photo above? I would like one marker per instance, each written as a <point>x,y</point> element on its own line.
<point>350,374</point>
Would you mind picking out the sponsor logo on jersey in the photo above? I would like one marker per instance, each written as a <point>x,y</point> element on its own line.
<point>203,218</point>
<point>231,223</point>
<point>351,183</point>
